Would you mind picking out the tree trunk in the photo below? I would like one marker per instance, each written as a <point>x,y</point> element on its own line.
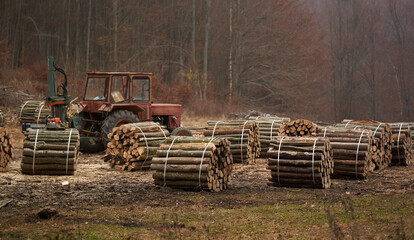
<point>206,38</point>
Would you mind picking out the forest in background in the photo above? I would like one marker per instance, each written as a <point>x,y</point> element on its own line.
<point>316,59</point>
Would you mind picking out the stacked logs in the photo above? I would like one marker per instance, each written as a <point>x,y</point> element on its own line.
<point>268,128</point>
<point>352,151</point>
<point>381,144</point>
<point>244,137</point>
<point>300,162</point>
<point>193,163</point>
<point>33,112</point>
<point>131,147</point>
<point>298,127</point>
<point>6,150</point>
<point>50,152</point>
<point>402,144</point>
<point>1,119</point>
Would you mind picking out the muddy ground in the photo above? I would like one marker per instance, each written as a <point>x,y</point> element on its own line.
<point>96,186</point>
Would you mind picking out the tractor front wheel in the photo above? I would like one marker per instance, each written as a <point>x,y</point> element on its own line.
<point>116,119</point>
<point>181,131</point>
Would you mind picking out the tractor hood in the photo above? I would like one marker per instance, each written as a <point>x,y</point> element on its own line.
<point>164,109</point>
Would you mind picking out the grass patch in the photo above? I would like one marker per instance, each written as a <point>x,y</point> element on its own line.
<point>371,216</point>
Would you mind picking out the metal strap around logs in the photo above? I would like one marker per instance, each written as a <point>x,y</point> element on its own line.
<point>346,125</point>
<point>324,132</point>
<point>241,141</point>
<point>278,158</point>
<point>166,159</point>
<point>214,129</point>
<point>201,163</point>
<point>271,130</point>
<point>34,151</point>
<point>398,143</point>
<point>21,110</point>
<point>146,143</point>
<point>165,136</point>
<point>377,129</point>
<point>356,159</point>
<point>313,161</point>
<point>40,111</point>
<point>67,151</point>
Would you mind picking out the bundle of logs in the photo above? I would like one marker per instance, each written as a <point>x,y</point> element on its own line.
<point>193,163</point>
<point>33,112</point>
<point>382,142</point>
<point>268,128</point>
<point>352,151</point>
<point>1,119</point>
<point>300,162</point>
<point>402,144</point>
<point>298,127</point>
<point>244,137</point>
<point>6,150</point>
<point>131,147</point>
<point>50,152</point>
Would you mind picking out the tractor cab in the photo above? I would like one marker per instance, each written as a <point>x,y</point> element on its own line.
<point>112,99</point>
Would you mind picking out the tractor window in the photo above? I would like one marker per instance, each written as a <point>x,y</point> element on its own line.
<point>120,89</point>
<point>96,89</point>
<point>140,89</point>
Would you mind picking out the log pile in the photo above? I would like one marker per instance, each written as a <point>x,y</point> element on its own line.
<point>33,112</point>
<point>50,152</point>
<point>402,144</point>
<point>131,147</point>
<point>244,137</point>
<point>268,128</point>
<point>1,119</point>
<point>352,151</point>
<point>381,144</point>
<point>300,162</point>
<point>193,163</point>
<point>6,150</point>
<point>298,127</point>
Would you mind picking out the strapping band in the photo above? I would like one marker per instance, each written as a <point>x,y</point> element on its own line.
<point>166,159</point>
<point>165,136</point>
<point>201,163</point>
<point>346,125</point>
<point>241,141</point>
<point>324,132</point>
<point>313,160</point>
<point>214,130</point>
<point>67,151</point>
<point>271,129</point>
<point>278,158</point>
<point>377,129</point>
<point>34,151</point>
<point>356,159</point>
<point>40,111</point>
<point>146,143</point>
<point>398,144</point>
<point>21,110</point>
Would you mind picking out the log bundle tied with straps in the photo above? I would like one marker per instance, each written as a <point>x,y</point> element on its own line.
<point>244,137</point>
<point>381,143</point>
<point>131,147</point>
<point>298,127</point>
<point>269,128</point>
<point>402,144</point>
<point>352,151</point>
<point>33,112</point>
<point>6,150</point>
<point>50,152</point>
<point>193,163</point>
<point>300,162</point>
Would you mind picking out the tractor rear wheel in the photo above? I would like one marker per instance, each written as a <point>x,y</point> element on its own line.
<point>181,131</point>
<point>116,119</point>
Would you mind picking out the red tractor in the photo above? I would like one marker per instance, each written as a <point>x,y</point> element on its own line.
<point>115,98</point>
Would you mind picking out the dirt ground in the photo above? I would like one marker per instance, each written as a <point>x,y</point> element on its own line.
<point>96,186</point>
